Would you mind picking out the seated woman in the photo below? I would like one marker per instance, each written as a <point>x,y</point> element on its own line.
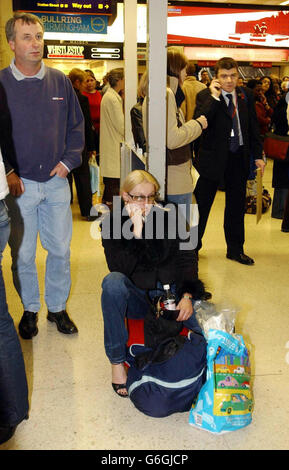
<point>144,250</point>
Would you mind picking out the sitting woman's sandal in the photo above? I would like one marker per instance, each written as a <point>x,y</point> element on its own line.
<point>118,387</point>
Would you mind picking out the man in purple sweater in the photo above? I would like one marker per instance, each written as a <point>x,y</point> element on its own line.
<point>48,132</point>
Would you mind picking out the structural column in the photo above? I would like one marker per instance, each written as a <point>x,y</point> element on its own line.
<point>156,101</point>
<point>5,52</point>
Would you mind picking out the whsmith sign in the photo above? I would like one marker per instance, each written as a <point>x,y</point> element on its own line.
<point>96,7</point>
<point>84,24</point>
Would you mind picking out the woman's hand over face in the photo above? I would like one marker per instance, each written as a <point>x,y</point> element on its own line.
<point>135,213</point>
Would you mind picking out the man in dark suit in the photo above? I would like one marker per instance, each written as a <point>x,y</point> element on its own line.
<point>224,153</point>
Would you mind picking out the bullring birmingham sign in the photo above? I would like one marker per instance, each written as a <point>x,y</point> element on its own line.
<point>95,7</point>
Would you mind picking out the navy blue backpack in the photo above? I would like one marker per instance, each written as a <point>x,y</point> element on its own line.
<point>168,378</point>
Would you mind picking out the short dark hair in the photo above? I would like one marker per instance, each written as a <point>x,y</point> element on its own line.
<point>225,63</point>
<point>114,75</point>
<point>252,83</point>
<point>26,18</point>
<point>191,68</point>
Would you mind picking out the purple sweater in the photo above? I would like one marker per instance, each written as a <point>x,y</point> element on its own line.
<point>47,123</point>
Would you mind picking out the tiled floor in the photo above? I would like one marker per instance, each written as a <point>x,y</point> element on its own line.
<point>72,404</point>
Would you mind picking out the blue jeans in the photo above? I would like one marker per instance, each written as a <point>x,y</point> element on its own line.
<point>43,208</point>
<point>185,199</point>
<point>13,384</point>
<point>120,299</point>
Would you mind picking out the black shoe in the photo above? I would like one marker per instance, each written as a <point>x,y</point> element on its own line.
<point>6,433</point>
<point>206,295</point>
<point>63,322</point>
<point>285,229</point>
<point>28,325</point>
<point>241,258</point>
<point>92,218</point>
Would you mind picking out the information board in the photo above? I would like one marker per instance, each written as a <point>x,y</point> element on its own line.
<point>95,7</point>
<point>83,24</point>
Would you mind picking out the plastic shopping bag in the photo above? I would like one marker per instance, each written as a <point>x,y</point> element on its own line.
<point>94,175</point>
<point>225,401</point>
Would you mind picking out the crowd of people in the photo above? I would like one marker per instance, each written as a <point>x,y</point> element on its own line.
<point>51,125</point>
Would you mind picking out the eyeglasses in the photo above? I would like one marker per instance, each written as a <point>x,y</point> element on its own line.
<point>141,198</point>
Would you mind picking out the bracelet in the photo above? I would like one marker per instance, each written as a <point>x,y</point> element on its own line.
<point>187,297</point>
<point>200,124</point>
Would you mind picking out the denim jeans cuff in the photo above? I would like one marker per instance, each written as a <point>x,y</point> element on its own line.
<point>56,309</point>
<point>117,354</point>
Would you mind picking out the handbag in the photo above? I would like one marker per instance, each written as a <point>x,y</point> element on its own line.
<point>276,146</point>
<point>94,175</point>
<point>251,198</point>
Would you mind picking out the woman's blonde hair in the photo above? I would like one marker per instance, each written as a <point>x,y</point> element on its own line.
<point>137,177</point>
<point>76,74</point>
<point>176,62</point>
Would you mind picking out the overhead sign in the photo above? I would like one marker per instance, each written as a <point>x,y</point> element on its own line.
<point>84,24</point>
<point>249,54</point>
<point>96,7</point>
<point>223,26</point>
<point>81,52</point>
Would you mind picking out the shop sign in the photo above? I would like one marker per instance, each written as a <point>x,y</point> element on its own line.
<point>83,24</point>
<point>81,52</point>
<point>65,52</point>
<point>206,63</point>
<point>96,7</point>
<point>262,64</point>
<point>233,26</point>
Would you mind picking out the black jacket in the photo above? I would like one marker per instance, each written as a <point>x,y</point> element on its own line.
<point>212,156</point>
<point>147,261</point>
<point>6,140</point>
<point>280,169</point>
<point>137,125</point>
<point>88,128</point>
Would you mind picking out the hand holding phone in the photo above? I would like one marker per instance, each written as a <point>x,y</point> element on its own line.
<point>215,88</point>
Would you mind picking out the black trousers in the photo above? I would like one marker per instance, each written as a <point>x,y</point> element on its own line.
<point>235,180</point>
<point>285,221</point>
<point>111,188</point>
<point>81,177</point>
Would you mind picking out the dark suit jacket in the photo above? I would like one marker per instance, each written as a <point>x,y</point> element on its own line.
<point>280,169</point>
<point>212,154</point>
<point>88,128</point>
<point>6,140</point>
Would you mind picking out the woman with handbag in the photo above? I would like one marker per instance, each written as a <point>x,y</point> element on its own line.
<point>111,134</point>
<point>143,256</point>
<point>180,134</point>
